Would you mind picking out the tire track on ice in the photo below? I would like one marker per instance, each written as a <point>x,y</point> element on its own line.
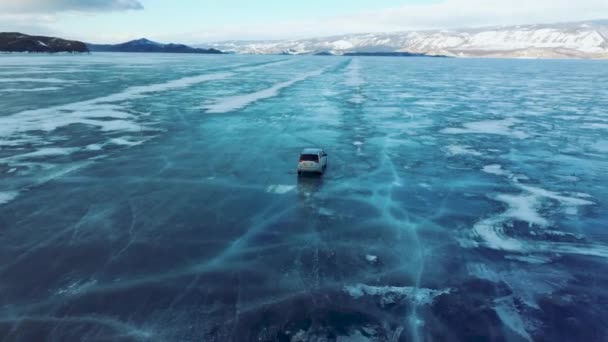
<point>233,103</point>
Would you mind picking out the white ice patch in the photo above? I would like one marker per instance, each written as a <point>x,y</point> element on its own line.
<point>280,189</point>
<point>35,80</point>
<point>530,259</point>
<point>326,212</point>
<point>601,146</point>
<point>353,74</point>
<point>595,250</point>
<point>526,207</point>
<point>569,178</point>
<point>455,150</point>
<point>31,127</point>
<point>29,90</point>
<point>371,258</point>
<point>596,125</point>
<point>511,317</point>
<point>40,71</point>
<point>495,169</point>
<point>124,142</point>
<point>393,294</point>
<point>114,125</point>
<point>76,288</point>
<point>7,196</point>
<point>233,103</point>
<point>357,99</point>
<point>564,200</point>
<point>497,127</point>
<point>47,152</point>
<point>86,112</point>
<point>523,208</point>
<point>262,66</point>
<point>491,232</point>
<point>139,91</point>
<point>94,147</point>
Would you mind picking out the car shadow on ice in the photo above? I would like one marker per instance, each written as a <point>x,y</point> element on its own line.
<point>309,184</point>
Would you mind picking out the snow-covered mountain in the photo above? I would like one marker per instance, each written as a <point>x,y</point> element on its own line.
<point>566,40</point>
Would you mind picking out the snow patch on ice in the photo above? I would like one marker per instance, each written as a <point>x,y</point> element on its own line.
<point>76,288</point>
<point>371,258</point>
<point>124,142</point>
<point>455,150</point>
<point>565,200</point>
<point>596,125</point>
<point>34,80</point>
<point>32,127</point>
<point>280,189</point>
<point>497,127</point>
<point>530,259</point>
<point>524,208</point>
<point>495,169</point>
<point>7,196</point>
<point>392,294</point>
<point>48,119</point>
<point>139,91</point>
<point>42,153</point>
<point>94,147</point>
<point>29,90</point>
<point>491,232</point>
<point>263,66</point>
<point>511,317</point>
<point>601,146</point>
<point>233,103</point>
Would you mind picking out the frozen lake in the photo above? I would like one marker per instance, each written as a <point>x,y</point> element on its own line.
<point>155,198</point>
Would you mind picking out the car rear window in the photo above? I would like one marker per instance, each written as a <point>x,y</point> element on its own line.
<point>309,157</point>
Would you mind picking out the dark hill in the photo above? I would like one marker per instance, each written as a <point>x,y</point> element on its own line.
<point>145,45</point>
<point>19,42</point>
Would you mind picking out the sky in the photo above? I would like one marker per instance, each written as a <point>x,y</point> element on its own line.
<point>201,21</point>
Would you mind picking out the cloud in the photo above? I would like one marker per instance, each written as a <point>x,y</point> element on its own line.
<point>444,14</point>
<point>448,14</point>
<point>39,24</point>
<point>55,6</point>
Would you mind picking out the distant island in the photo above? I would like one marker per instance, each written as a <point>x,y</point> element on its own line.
<point>391,54</point>
<point>145,45</point>
<point>19,42</point>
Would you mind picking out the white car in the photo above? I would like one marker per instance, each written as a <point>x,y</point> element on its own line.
<point>312,160</point>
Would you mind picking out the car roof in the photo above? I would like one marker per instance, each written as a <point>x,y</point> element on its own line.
<point>312,151</point>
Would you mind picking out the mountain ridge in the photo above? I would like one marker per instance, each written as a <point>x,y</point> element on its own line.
<point>586,39</point>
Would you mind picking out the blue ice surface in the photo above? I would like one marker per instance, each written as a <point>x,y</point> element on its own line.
<point>155,198</point>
